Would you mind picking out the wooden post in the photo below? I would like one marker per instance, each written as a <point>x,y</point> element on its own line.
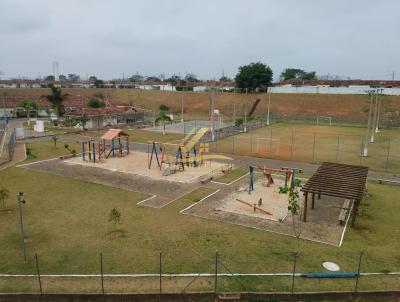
<point>313,201</point>
<point>355,210</point>
<point>319,195</point>
<point>305,207</point>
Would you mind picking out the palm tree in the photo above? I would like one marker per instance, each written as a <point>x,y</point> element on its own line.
<point>163,117</point>
<point>57,98</point>
<point>4,194</point>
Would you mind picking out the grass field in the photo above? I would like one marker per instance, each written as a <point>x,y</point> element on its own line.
<point>46,149</point>
<point>311,143</point>
<point>66,221</point>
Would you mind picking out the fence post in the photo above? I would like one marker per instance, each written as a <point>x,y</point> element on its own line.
<point>291,146</point>
<point>387,156</point>
<point>101,273</point>
<point>358,271</point>
<point>233,144</point>
<point>362,149</point>
<point>38,273</point>
<point>216,273</point>
<point>294,270</point>
<point>160,273</point>
<point>270,143</point>
<point>313,150</point>
<point>337,148</point>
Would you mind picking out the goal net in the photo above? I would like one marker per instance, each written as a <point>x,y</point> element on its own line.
<point>267,145</point>
<point>324,120</point>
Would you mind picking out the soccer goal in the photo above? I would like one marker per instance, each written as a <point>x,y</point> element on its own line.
<point>324,120</point>
<point>267,145</point>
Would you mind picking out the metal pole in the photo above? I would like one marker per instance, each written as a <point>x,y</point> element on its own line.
<point>269,103</point>
<point>365,150</point>
<point>101,273</point>
<point>38,273</point>
<point>234,113</point>
<point>216,273</point>
<point>372,140</point>
<point>358,271</point>
<point>294,270</point>
<point>245,117</point>
<point>20,200</point>
<point>160,273</point>
<point>378,110</point>
<point>182,113</point>
<point>270,143</point>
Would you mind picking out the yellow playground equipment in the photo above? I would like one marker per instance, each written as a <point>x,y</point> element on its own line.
<point>190,152</point>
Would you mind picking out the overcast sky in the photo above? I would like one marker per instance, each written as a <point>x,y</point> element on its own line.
<point>356,38</point>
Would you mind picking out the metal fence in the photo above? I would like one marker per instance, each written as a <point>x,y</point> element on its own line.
<point>290,272</point>
<point>11,145</point>
<point>293,145</point>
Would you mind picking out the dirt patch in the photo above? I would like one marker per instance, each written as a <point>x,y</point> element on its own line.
<point>321,226</point>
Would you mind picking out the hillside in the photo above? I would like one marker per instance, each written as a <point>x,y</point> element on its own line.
<point>342,107</point>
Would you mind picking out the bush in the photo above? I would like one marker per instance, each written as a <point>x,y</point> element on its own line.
<point>28,151</point>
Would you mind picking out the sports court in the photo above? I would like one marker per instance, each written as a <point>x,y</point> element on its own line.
<point>188,126</point>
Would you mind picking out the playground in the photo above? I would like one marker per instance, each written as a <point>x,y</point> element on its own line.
<point>137,163</point>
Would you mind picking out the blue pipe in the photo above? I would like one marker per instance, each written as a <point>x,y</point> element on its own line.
<point>329,275</point>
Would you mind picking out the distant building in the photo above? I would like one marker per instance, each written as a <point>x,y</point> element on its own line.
<point>100,118</point>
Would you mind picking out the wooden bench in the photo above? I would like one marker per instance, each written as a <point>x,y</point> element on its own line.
<point>67,156</point>
<point>343,211</point>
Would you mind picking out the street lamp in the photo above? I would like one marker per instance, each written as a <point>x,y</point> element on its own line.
<point>21,200</point>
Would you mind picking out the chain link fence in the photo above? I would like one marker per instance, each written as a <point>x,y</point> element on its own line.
<point>163,272</point>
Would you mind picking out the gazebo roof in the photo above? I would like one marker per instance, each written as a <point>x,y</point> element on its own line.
<point>338,180</point>
<point>113,133</point>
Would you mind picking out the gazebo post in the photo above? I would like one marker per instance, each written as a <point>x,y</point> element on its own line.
<point>305,207</point>
<point>319,196</point>
<point>313,201</point>
<point>355,211</point>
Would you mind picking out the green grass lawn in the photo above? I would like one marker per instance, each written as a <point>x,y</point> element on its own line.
<point>311,143</point>
<point>46,149</point>
<point>66,223</point>
<point>233,175</point>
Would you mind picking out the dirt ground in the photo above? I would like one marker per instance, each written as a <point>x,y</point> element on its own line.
<point>137,163</point>
<point>272,201</point>
<point>321,226</point>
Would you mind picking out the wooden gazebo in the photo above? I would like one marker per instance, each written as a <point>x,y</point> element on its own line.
<point>337,180</point>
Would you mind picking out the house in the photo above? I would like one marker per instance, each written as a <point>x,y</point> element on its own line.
<point>100,118</point>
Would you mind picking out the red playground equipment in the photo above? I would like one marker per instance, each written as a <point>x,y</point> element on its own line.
<point>110,144</point>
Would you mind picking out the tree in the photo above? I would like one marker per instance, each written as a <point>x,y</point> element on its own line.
<point>56,99</point>
<point>114,217</point>
<point>153,79</point>
<point>55,139</point>
<point>74,77</point>
<point>92,78</point>
<point>298,74</point>
<point>173,80</point>
<point>95,103</point>
<point>136,78</point>
<point>294,209</point>
<point>99,84</point>
<point>224,79</point>
<point>162,116</point>
<point>28,107</point>
<point>4,194</point>
<point>82,120</point>
<point>254,75</point>
<point>49,78</point>
<point>190,77</point>
<point>62,78</point>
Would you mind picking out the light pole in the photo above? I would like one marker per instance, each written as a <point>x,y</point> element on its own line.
<point>182,121</point>
<point>365,149</point>
<point>212,104</point>
<point>21,200</point>
<point>269,103</point>
<point>374,118</point>
<point>380,93</point>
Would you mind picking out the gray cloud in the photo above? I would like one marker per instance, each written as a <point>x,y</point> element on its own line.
<point>354,38</point>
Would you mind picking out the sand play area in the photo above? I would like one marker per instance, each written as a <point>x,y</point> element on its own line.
<point>137,163</point>
<point>272,202</point>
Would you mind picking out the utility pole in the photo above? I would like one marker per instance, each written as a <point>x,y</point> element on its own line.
<point>365,149</point>
<point>374,118</point>
<point>269,103</point>
<point>21,200</point>
<point>182,120</point>
<point>245,118</point>
<point>379,110</point>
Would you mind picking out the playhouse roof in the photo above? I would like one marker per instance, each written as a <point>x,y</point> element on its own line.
<point>113,133</point>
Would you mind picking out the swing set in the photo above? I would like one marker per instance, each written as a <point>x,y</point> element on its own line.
<point>267,172</point>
